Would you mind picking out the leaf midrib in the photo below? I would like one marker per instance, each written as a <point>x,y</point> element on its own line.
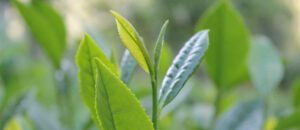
<point>107,97</point>
<point>186,55</point>
<point>219,57</point>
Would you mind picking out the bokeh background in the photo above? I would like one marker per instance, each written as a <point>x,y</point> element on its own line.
<point>38,96</point>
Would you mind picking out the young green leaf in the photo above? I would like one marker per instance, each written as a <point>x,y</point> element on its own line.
<point>159,45</point>
<point>128,65</point>
<point>265,66</point>
<point>47,27</point>
<point>116,107</point>
<point>229,43</point>
<point>132,42</point>
<point>166,60</point>
<point>245,116</point>
<point>183,66</point>
<point>88,50</point>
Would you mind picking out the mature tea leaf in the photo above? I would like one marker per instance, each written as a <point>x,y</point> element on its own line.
<point>128,65</point>
<point>229,41</point>
<point>183,66</point>
<point>116,107</point>
<point>88,50</point>
<point>159,46</point>
<point>47,27</point>
<point>265,66</point>
<point>245,116</point>
<point>132,41</point>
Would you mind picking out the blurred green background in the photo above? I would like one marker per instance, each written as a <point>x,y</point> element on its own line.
<point>39,96</point>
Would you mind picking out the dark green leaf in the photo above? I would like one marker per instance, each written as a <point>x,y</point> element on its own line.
<point>229,43</point>
<point>183,66</point>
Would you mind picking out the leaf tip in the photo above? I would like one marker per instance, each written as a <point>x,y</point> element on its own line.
<point>114,13</point>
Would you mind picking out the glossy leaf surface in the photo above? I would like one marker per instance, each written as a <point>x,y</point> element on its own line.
<point>184,64</point>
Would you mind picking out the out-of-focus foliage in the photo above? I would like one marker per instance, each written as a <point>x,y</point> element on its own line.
<point>295,91</point>
<point>244,116</point>
<point>13,124</point>
<point>128,65</point>
<point>47,27</point>
<point>265,66</point>
<point>289,122</point>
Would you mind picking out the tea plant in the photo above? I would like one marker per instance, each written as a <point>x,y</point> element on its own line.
<point>112,104</point>
<point>232,58</point>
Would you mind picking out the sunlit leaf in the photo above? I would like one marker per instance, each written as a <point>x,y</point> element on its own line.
<point>116,107</point>
<point>128,65</point>
<point>46,26</point>
<point>159,46</point>
<point>244,116</point>
<point>88,50</point>
<point>265,66</point>
<point>132,41</point>
<point>183,66</point>
<point>229,43</point>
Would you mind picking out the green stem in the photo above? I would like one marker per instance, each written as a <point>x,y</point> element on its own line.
<point>217,105</point>
<point>154,102</point>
